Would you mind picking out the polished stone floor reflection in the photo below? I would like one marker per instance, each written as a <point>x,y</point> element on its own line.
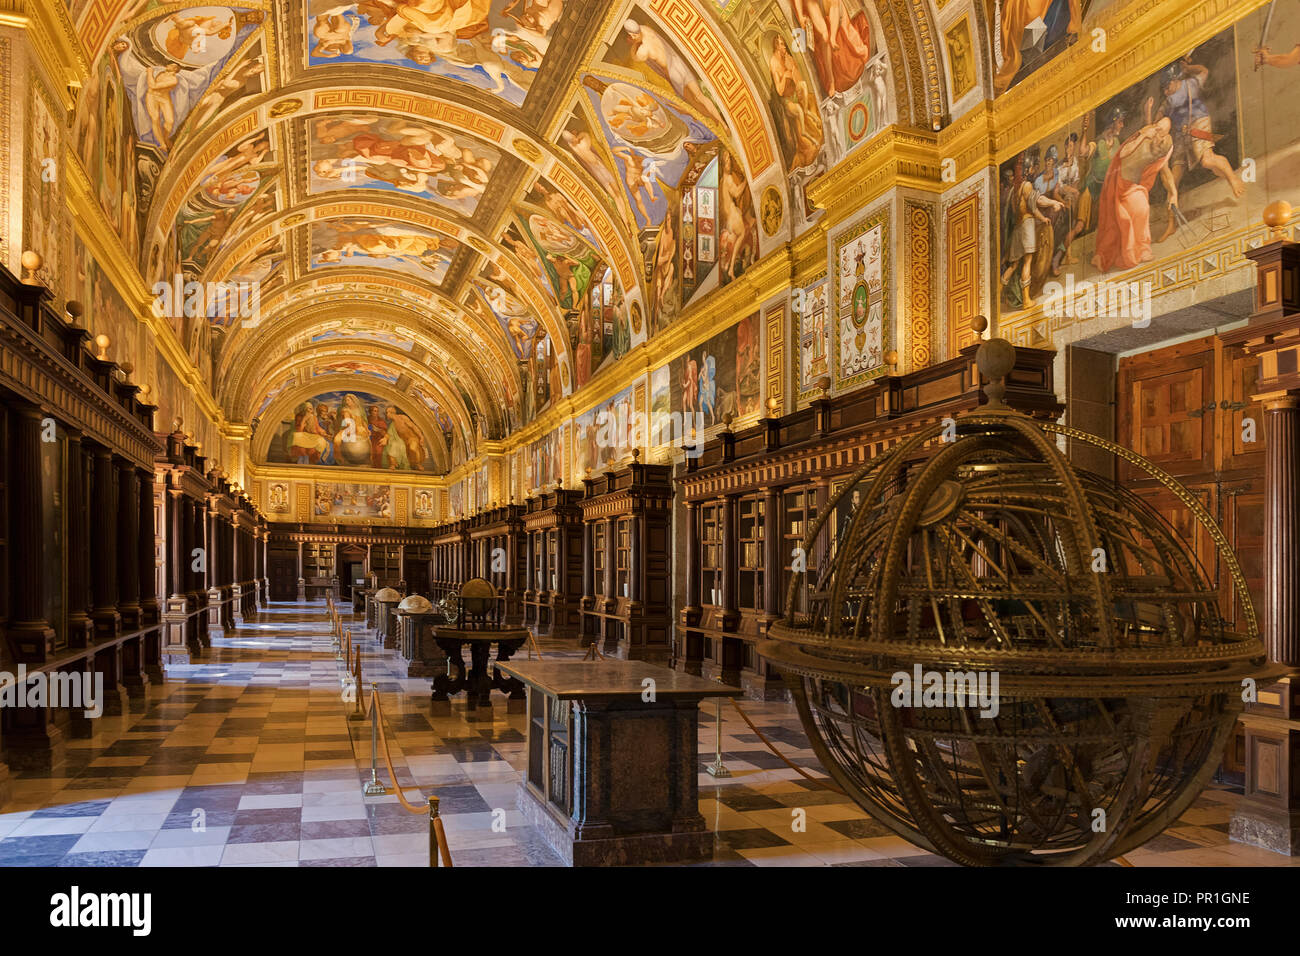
<point>247,759</point>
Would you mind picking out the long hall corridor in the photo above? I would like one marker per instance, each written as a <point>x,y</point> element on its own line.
<point>247,758</point>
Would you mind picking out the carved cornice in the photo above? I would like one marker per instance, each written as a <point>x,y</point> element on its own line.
<point>32,369</point>
<point>55,41</point>
<point>897,157</point>
<point>106,248</point>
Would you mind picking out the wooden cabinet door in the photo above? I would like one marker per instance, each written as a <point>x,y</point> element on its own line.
<point>1167,406</point>
<point>1237,409</point>
<point>1242,506</point>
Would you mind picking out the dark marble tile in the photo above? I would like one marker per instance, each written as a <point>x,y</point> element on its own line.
<point>184,819</point>
<point>1164,843</point>
<point>871,863</point>
<point>924,861</point>
<point>748,839</point>
<point>100,773</point>
<point>473,754</point>
<point>30,846</point>
<point>34,860</point>
<point>265,833</point>
<point>240,727</point>
<point>332,829</point>
<point>341,861</point>
<point>763,759</point>
<point>811,798</point>
<point>395,826</point>
<point>859,829</point>
<point>268,815</point>
<point>217,797</point>
<point>99,783</point>
<point>88,808</point>
<point>104,858</point>
<point>748,800</point>
<point>273,783</point>
<point>225,758</point>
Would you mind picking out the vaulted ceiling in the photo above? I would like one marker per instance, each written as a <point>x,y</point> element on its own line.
<point>433,201</point>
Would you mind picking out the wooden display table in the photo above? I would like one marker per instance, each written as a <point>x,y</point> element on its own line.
<point>613,760</point>
<point>477,682</point>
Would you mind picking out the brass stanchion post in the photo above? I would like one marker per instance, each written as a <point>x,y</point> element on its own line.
<point>374,788</point>
<point>433,831</point>
<point>718,768</point>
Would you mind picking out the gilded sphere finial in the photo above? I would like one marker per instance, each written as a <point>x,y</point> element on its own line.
<point>1277,215</point>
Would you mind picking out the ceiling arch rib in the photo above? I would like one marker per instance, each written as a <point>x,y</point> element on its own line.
<point>412,225</point>
<point>474,344</point>
<point>389,300</point>
<point>320,340</point>
<point>367,368</point>
<point>482,377</point>
<point>273,111</point>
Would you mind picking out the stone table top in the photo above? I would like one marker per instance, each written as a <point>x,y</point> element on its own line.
<point>573,680</point>
<point>451,632</point>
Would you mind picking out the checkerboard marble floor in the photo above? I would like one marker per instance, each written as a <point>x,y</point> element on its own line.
<point>247,758</point>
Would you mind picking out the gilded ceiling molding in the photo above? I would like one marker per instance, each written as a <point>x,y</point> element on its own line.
<point>54,38</point>
<point>895,157</point>
<point>245,377</point>
<point>182,172</point>
<point>321,316</point>
<point>727,78</point>
<point>969,142</point>
<point>305,475</point>
<point>105,247</point>
<point>263,351</point>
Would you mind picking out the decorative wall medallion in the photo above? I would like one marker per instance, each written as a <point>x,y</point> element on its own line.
<point>526,149</point>
<point>771,210</point>
<point>285,108</point>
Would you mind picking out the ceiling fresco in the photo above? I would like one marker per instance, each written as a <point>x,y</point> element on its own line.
<point>480,203</point>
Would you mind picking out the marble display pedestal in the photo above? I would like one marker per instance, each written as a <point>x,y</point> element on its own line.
<point>613,760</point>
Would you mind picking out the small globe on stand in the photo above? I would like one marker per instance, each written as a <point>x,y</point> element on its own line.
<point>1007,660</point>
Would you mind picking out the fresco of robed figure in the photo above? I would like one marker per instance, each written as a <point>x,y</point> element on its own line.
<point>351,429</point>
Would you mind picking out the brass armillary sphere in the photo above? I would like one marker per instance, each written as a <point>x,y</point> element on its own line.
<point>977,556</point>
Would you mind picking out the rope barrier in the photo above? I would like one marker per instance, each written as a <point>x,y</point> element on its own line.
<point>358,714</point>
<point>438,846</point>
<point>593,652</point>
<point>532,645</point>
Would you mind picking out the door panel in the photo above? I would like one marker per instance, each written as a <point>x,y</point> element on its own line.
<point>1240,373</point>
<point>1183,407</point>
<point>1166,408</point>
